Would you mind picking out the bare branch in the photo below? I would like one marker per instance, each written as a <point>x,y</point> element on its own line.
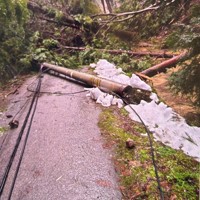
<point>120,17</point>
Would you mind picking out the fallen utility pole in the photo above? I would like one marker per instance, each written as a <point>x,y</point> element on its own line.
<point>132,95</point>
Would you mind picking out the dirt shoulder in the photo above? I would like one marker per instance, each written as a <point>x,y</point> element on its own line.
<point>180,104</point>
<point>9,88</point>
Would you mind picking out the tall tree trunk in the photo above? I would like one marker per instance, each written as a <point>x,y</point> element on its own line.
<point>104,7</point>
<point>109,6</point>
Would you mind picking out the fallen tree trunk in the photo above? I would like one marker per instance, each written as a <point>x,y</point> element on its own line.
<point>131,95</point>
<point>130,53</point>
<point>35,8</point>
<point>161,67</point>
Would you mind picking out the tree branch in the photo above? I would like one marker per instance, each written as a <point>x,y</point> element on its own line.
<point>128,15</point>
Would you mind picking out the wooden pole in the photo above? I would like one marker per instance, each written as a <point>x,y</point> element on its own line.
<point>132,95</point>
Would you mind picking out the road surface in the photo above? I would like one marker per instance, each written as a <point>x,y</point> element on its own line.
<point>64,158</point>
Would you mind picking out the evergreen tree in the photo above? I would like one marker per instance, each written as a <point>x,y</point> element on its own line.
<point>13,16</point>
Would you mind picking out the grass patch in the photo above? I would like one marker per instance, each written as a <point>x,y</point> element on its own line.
<point>178,172</point>
<point>3,130</point>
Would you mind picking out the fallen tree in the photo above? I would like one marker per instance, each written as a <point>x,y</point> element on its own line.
<point>161,67</point>
<point>65,19</point>
<point>130,53</point>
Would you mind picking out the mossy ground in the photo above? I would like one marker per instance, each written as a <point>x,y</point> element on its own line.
<point>3,130</point>
<point>178,172</point>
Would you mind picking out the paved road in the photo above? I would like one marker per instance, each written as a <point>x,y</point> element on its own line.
<point>64,158</point>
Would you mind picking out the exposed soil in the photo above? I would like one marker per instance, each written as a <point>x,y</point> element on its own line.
<point>9,88</point>
<point>180,104</point>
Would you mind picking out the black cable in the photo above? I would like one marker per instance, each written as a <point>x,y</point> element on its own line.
<point>26,139</point>
<point>58,93</point>
<point>151,146</point>
<point>4,139</point>
<point>8,167</point>
<point>22,107</point>
<point>7,170</point>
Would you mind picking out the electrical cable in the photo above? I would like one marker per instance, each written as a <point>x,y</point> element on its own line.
<point>4,139</point>
<point>8,167</point>
<point>33,104</point>
<point>56,93</point>
<point>6,135</point>
<point>151,147</point>
<point>23,106</point>
<point>26,139</point>
<point>59,93</point>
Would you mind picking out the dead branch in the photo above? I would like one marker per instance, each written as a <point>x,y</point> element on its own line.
<point>127,15</point>
<point>161,67</point>
<point>130,53</point>
<point>59,22</point>
<point>142,76</point>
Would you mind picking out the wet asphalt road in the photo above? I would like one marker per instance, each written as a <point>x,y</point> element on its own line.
<point>64,157</point>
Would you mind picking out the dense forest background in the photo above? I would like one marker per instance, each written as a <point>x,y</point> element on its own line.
<point>51,30</point>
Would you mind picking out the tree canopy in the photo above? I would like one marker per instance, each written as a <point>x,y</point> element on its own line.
<point>41,33</point>
<point>13,17</point>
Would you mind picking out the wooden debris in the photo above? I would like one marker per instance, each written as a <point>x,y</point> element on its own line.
<point>161,67</point>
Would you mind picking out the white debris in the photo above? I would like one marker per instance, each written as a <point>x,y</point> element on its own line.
<point>110,71</point>
<point>93,65</point>
<point>118,102</point>
<point>103,98</point>
<point>154,97</point>
<point>166,125</point>
<point>136,82</point>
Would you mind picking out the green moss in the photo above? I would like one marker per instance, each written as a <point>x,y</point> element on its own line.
<point>124,112</point>
<point>178,172</point>
<point>3,130</point>
<point>139,129</point>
